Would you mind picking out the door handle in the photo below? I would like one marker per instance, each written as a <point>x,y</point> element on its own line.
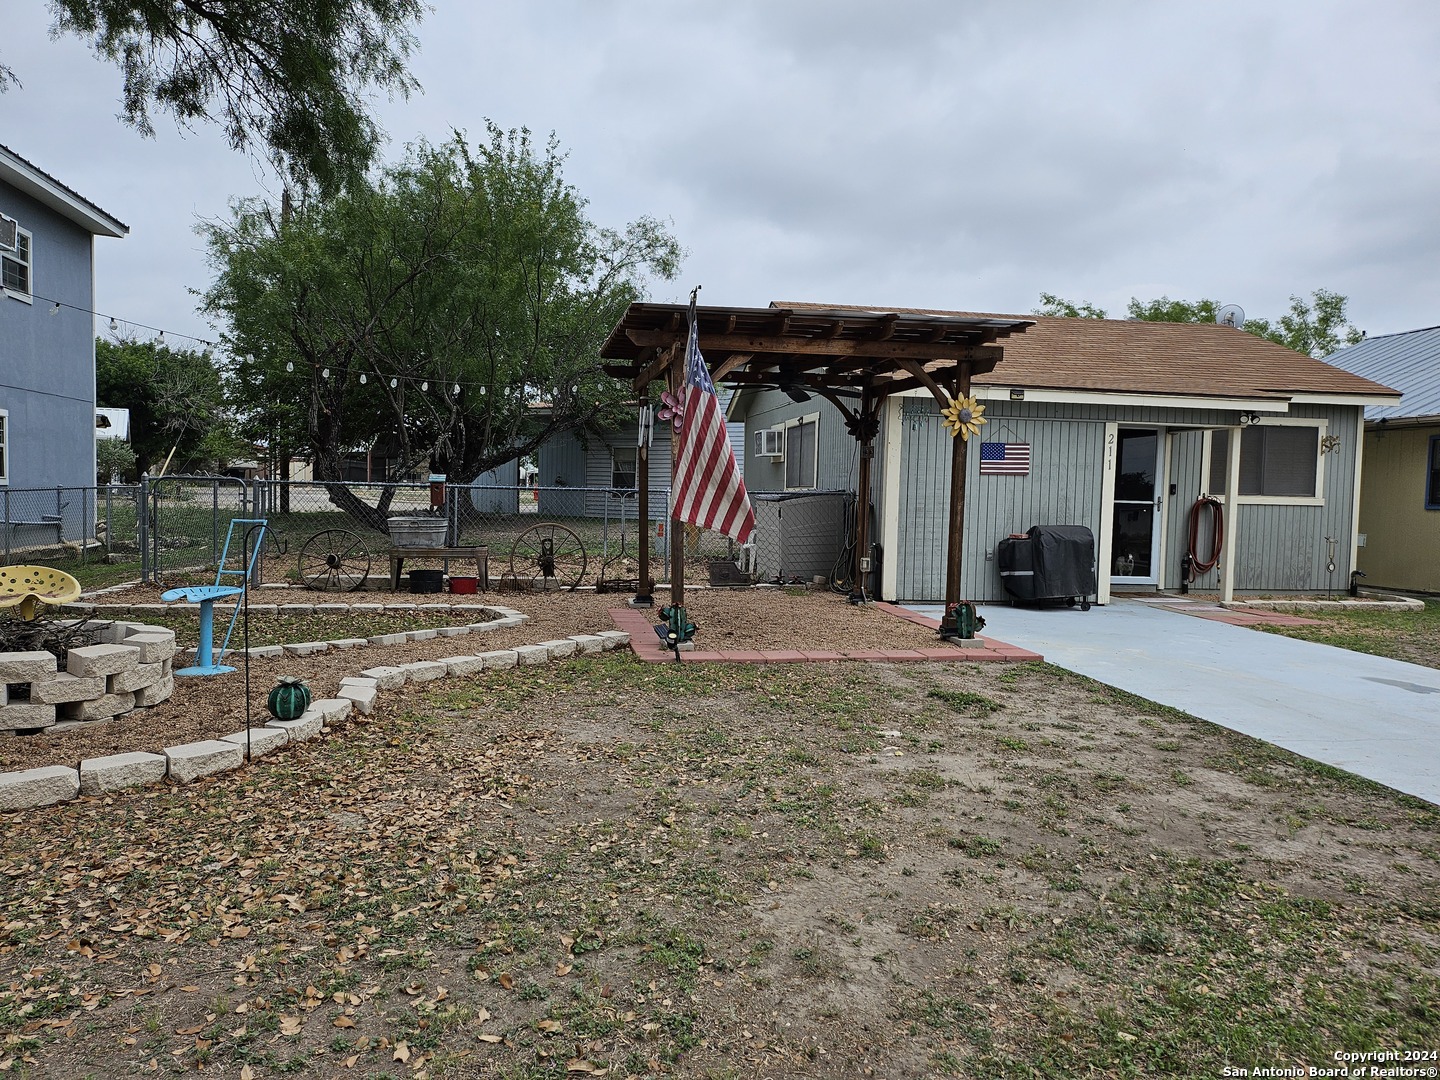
<point>1158,500</point>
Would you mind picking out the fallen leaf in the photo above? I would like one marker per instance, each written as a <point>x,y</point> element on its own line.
<point>489,1038</point>
<point>550,1025</point>
<point>402,1051</point>
<point>507,981</point>
<point>564,969</point>
<point>190,1030</point>
<point>291,1025</point>
<point>247,1073</point>
<point>343,1022</point>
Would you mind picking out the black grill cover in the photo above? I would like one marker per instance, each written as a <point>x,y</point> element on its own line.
<point>1063,557</point>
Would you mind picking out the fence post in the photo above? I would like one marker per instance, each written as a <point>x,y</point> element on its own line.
<point>109,522</point>
<point>8,529</point>
<point>87,525</point>
<point>142,523</point>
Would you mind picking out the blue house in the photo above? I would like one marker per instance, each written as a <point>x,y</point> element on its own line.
<point>47,343</point>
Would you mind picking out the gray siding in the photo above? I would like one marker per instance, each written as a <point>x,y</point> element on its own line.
<point>1279,548</point>
<point>837,460</point>
<point>47,361</point>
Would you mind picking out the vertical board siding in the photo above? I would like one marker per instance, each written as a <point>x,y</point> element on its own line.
<point>1280,547</point>
<point>1402,547</point>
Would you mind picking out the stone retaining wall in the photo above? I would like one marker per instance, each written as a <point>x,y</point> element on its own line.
<point>129,666</point>
<point>51,784</point>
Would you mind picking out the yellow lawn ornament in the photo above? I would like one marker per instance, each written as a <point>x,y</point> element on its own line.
<point>22,585</point>
<point>963,417</point>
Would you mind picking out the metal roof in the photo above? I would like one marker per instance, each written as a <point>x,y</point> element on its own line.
<point>34,181</point>
<point>1409,361</point>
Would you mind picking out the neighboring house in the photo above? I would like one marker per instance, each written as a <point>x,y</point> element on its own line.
<point>1400,480</point>
<point>47,343</point>
<point>604,462</point>
<point>1116,425</point>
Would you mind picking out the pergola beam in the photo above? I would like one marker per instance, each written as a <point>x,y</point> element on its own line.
<point>814,347</point>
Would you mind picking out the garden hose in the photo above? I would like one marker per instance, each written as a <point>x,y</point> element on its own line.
<point>1198,565</point>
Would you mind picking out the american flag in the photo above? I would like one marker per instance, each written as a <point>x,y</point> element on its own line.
<point>709,490</point>
<point>1005,458</point>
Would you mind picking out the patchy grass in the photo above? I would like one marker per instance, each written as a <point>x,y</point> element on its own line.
<point>1413,636</point>
<point>703,871</point>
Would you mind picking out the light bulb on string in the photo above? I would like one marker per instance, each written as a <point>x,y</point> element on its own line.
<point>394,383</point>
<point>289,365</point>
<point>425,385</point>
<point>455,389</point>
<point>114,325</point>
<point>362,378</point>
<point>325,373</point>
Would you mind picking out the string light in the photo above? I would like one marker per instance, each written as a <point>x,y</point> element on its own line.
<point>115,321</point>
<point>394,383</point>
<point>289,365</point>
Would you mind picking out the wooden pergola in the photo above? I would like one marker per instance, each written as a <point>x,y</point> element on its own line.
<point>853,358</point>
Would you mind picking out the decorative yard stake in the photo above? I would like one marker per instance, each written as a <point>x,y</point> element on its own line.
<point>289,699</point>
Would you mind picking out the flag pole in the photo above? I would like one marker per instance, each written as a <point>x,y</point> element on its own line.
<point>677,527</point>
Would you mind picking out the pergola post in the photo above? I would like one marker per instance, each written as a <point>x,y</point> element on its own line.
<point>955,548</point>
<point>866,435</point>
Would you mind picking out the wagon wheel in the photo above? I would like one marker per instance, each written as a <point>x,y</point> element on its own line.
<point>334,561</point>
<point>548,556</point>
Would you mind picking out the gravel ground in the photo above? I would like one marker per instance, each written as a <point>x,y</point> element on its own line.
<point>204,708</point>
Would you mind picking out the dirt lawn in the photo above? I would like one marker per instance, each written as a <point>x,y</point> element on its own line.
<point>809,870</point>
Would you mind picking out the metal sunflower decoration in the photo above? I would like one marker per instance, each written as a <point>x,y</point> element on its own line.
<point>963,417</point>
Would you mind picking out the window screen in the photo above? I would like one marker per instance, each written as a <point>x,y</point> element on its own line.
<point>1275,461</point>
<point>800,444</point>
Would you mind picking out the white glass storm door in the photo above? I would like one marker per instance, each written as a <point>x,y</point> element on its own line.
<point>1135,536</point>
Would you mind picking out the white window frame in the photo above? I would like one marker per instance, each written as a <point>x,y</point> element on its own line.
<point>808,418</point>
<point>1318,499</point>
<point>4,446</point>
<point>634,456</point>
<point>27,297</point>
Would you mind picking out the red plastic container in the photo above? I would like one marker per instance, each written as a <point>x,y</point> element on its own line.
<point>463,584</point>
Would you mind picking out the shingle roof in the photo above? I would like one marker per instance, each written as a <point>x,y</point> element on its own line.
<point>1134,357</point>
<point>1409,361</point>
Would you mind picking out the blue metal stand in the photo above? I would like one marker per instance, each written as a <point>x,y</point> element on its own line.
<point>206,595</point>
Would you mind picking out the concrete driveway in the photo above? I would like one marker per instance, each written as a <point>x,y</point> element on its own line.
<point>1371,716</point>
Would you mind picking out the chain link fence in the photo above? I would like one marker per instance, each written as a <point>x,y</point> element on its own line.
<point>70,525</point>
<point>173,530</point>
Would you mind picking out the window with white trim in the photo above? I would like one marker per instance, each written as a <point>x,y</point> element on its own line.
<point>801,445</point>
<point>622,467</point>
<point>16,277</point>
<point>1277,461</point>
<point>4,446</point>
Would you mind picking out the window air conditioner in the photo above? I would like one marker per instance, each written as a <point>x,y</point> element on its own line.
<point>770,443</point>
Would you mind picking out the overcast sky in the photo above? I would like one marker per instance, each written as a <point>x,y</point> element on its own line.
<point>922,153</point>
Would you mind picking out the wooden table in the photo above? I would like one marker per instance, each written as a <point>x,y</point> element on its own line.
<point>480,554</point>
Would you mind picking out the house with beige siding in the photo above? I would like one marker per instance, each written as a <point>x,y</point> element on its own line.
<point>1400,479</point>
<point>1117,425</point>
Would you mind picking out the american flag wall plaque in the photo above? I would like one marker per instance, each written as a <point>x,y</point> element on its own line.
<point>1005,459</point>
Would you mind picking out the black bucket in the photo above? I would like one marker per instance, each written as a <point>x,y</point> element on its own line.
<point>423,581</point>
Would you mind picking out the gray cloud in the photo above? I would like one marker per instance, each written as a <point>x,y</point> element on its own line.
<point>920,153</point>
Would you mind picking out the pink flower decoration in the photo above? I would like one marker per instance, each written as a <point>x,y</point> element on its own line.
<point>672,409</point>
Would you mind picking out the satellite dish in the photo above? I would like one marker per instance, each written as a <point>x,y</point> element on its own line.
<point>1231,315</point>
